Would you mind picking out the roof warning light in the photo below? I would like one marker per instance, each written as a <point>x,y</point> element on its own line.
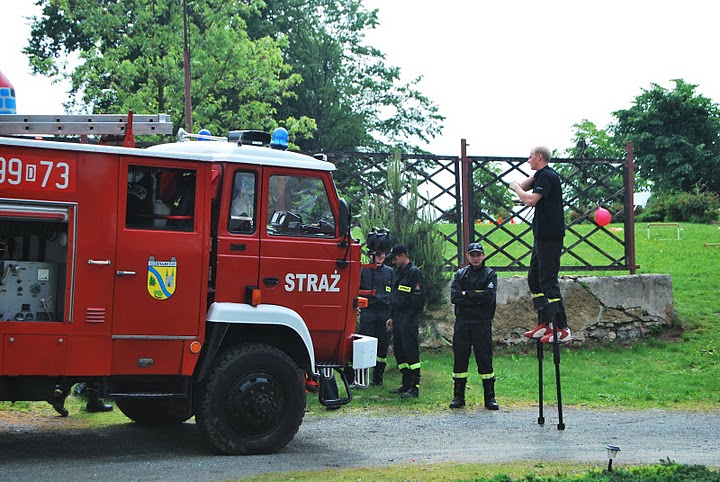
<point>279,139</point>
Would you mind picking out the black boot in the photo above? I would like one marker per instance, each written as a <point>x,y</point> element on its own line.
<point>459,393</point>
<point>489,391</point>
<point>414,390</point>
<point>377,377</point>
<point>57,400</point>
<point>94,404</point>
<point>406,379</point>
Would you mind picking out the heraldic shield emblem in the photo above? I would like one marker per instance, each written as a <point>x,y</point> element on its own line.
<point>162,278</point>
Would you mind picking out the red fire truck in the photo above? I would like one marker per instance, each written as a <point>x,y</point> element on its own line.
<point>197,278</point>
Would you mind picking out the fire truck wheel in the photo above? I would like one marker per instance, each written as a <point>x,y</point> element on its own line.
<point>155,411</point>
<point>251,402</point>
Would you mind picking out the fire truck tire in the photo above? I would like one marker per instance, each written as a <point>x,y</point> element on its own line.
<point>155,411</point>
<point>251,402</point>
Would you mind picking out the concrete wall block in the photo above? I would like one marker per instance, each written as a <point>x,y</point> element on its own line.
<point>601,308</point>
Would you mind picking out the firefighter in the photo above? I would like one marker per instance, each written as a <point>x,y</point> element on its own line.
<point>548,231</point>
<point>373,319</point>
<point>407,301</point>
<point>473,291</point>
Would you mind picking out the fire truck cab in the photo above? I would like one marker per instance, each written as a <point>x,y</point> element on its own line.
<point>197,278</point>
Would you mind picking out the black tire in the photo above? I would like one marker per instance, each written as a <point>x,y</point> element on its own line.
<point>251,402</point>
<point>155,411</point>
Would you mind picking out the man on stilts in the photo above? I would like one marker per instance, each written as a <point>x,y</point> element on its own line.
<point>548,231</point>
<point>543,191</point>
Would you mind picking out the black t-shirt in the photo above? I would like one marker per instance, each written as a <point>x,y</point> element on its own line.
<point>549,221</point>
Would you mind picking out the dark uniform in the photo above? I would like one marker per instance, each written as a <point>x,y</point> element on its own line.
<point>473,291</point>
<point>407,301</point>
<point>548,231</point>
<point>373,318</point>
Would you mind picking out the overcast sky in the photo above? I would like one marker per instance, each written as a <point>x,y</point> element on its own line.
<point>508,75</point>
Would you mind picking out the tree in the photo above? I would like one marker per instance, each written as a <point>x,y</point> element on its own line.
<point>588,184</point>
<point>492,198</point>
<point>593,143</point>
<point>130,57</point>
<point>356,99</point>
<point>675,134</point>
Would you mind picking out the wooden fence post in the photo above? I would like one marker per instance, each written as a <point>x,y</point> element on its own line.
<point>467,221</point>
<point>629,175</point>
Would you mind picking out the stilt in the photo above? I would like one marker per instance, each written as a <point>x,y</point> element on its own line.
<point>541,417</point>
<point>556,360</point>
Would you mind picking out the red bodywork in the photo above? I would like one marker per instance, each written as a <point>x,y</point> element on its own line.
<point>108,321</point>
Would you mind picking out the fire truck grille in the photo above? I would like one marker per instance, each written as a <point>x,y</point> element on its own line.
<point>95,315</point>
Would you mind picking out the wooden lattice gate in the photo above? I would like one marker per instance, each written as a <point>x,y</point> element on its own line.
<point>468,196</point>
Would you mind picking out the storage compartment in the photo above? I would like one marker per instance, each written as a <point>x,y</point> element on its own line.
<point>33,262</point>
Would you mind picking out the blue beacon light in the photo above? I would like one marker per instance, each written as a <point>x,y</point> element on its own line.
<point>279,139</point>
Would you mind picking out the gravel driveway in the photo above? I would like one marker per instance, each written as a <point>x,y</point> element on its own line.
<point>58,449</point>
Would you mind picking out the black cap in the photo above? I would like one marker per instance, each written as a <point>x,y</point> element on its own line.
<point>475,247</point>
<point>398,249</point>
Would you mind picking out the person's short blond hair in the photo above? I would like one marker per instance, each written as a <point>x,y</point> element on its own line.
<point>544,152</point>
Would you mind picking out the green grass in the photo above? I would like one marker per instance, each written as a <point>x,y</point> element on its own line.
<point>75,405</point>
<point>425,472</point>
<point>649,374</point>
<point>528,472</point>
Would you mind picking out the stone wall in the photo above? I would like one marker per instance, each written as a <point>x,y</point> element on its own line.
<point>599,308</point>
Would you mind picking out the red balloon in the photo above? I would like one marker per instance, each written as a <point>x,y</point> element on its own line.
<point>602,216</point>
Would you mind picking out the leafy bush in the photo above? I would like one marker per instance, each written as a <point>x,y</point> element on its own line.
<point>651,216</point>
<point>696,206</point>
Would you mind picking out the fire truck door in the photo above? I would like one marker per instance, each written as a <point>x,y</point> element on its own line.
<point>299,252</point>
<point>238,247</point>
<point>160,261</point>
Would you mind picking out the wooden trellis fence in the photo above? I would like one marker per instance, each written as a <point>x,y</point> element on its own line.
<point>447,186</point>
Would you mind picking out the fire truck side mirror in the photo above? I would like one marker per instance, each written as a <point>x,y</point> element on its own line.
<point>344,221</point>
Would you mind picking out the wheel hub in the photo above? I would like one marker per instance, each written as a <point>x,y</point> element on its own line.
<point>255,404</point>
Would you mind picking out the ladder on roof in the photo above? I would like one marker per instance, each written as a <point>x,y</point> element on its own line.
<point>126,125</point>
